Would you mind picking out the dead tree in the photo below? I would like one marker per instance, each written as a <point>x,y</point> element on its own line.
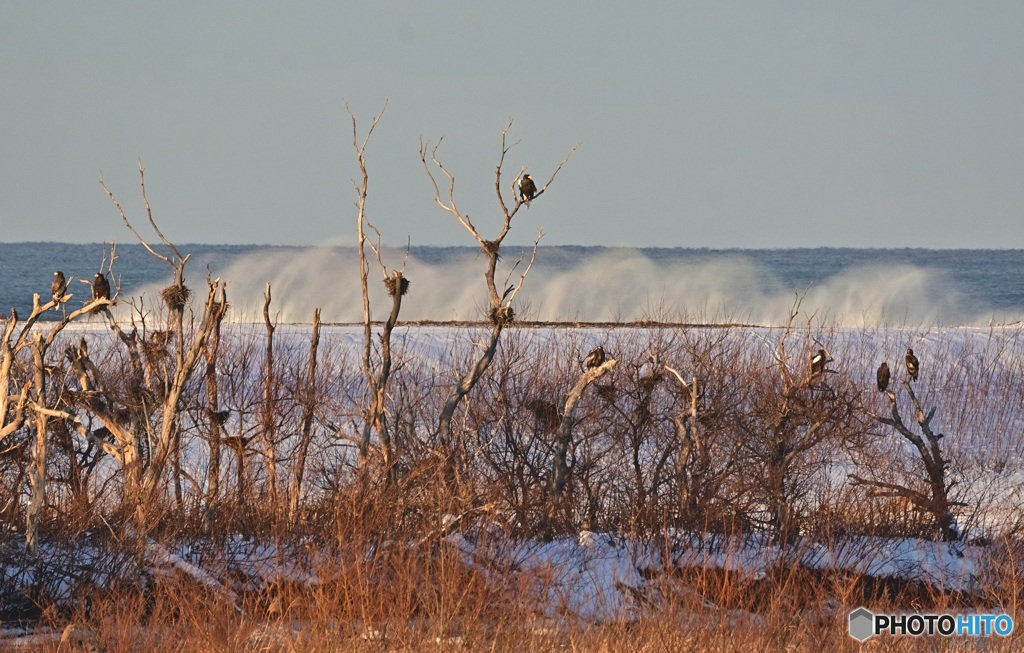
<point>33,395</point>
<point>187,353</point>
<point>11,345</point>
<point>267,417</point>
<point>377,369</point>
<point>694,469</point>
<point>215,417</point>
<point>789,413</point>
<point>309,395</point>
<point>501,313</point>
<point>936,499</point>
<point>563,437</point>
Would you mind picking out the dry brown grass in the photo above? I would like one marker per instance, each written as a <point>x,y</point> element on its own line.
<point>375,538</point>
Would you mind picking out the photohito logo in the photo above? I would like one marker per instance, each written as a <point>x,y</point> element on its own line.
<point>864,624</point>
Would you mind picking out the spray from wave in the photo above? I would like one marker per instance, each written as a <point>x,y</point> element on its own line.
<point>615,285</point>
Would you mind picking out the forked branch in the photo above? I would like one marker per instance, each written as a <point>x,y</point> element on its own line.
<point>176,264</point>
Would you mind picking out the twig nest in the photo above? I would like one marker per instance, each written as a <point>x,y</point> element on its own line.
<point>218,309</point>
<point>545,412</point>
<point>155,346</point>
<point>491,247</point>
<point>647,383</point>
<point>176,296</point>
<point>503,315</point>
<point>397,283</point>
<point>607,392</point>
<point>88,399</point>
<point>642,414</point>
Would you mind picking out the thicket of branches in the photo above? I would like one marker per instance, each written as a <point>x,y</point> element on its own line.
<point>705,429</point>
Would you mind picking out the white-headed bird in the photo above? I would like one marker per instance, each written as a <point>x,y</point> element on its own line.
<point>527,189</point>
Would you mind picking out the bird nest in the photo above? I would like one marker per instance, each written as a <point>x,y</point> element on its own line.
<point>176,296</point>
<point>217,309</point>
<point>642,415</point>
<point>88,399</point>
<point>647,383</point>
<point>503,315</point>
<point>155,346</point>
<point>396,284</point>
<point>490,247</point>
<point>607,392</point>
<point>546,413</point>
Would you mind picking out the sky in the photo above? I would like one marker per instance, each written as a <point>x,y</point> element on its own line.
<point>702,124</point>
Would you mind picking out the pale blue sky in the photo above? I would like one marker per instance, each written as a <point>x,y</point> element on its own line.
<point>710,124</point>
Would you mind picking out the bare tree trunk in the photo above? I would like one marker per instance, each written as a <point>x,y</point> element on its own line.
<point>563,438</point>
<point>309,401</point>
<point>12,345</point>
<point>213,415</point>
<point>396,290</point>
<point>38,474</point>
<point>269,428</point>
<point>154,472</point>
<point>241,507</point>
<point>179,494</point>
<point>692,461</point>
<point>185,360</point>
<point>10,424</point>
<point>377,373</point>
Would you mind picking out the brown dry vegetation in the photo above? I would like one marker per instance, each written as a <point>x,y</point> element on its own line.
<point>376,539</point>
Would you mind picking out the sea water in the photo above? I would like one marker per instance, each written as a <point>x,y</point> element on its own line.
<point>853,287</point>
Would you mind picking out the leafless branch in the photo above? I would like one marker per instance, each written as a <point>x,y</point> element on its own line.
<point>149,212</point>
<point>540,191</point>
<point>450,206</point>
<point>522,277</point>
<point>129,224</point>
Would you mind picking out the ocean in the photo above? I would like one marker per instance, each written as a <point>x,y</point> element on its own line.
<point>849,287</point>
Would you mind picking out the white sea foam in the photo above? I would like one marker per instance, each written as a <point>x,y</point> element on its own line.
<point>618,285</point>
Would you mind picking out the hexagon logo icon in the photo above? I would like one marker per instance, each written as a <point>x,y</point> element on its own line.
<point>862,624</point>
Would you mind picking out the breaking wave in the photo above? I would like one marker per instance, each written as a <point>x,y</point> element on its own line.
<point>620,284</point>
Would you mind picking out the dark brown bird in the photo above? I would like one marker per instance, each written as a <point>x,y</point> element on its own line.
<point>527,189</point>
<point>59,286</point>
<point>883,377</point>
<point>818,362</point>
<point>596,357</point>
<point>913,365</point>
<point>100,287</point>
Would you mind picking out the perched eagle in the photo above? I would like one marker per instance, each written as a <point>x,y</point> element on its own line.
<point>883,377</point>
<point>527,189</point>
<point>100,287</point>
<point>913,365</point>
<point>818,362</point>
<point>59,286</point>
<point>595,358</point>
